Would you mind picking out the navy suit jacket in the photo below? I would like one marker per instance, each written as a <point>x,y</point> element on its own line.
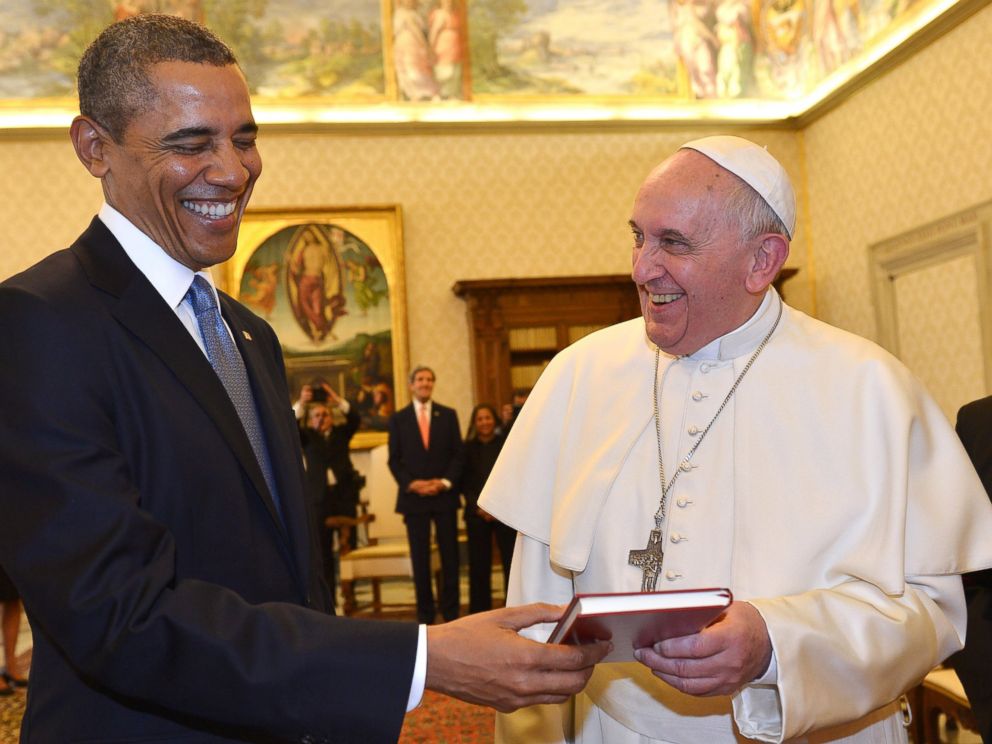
<point>169,600</point>
<point>409,461</point>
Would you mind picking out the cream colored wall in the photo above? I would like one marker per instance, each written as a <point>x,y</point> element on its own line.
<point>913,146</point>
<point>475,205</point>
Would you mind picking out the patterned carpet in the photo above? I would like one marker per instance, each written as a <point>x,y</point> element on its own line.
<point>443,720</point>
<point>11,711</point>
<point>12,707</point>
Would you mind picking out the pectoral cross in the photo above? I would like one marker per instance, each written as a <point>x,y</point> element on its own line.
<point>649,560</point>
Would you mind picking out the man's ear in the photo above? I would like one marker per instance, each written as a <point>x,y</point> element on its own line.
<point>90,141</point>
<point>770,252</point>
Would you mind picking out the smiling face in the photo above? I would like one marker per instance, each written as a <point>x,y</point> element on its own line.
<point>485,423</point>
<point>186,165</point>
<point>423,385</point>
<point>690,264</point>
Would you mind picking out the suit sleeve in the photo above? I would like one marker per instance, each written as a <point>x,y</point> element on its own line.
<point>99,574</point>
<point>397,457</point>
<point>353,419</point>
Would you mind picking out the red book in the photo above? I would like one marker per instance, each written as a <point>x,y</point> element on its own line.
<point>638,619</point>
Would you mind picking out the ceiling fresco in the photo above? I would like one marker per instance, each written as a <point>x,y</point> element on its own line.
<point>363,61</point>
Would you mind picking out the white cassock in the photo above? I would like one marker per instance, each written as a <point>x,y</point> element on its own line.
<point>831,493</point>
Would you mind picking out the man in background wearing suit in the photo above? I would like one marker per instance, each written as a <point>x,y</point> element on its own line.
<point>426,459</point>
<point>973,663</point>
<point>152,507</point>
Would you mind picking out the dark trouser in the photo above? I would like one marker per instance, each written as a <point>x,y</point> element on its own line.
<point>343,502</point>
<point>325,538</point>
<point>418,534</point>
<point>974,663</point>
<point>480,559</point>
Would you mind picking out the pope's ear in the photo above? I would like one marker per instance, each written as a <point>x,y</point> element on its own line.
<point>770,252</point>
<point>90,141</point>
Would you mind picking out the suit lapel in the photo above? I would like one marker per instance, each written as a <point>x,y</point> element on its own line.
<point>436,423</point>
<point>141,310</point>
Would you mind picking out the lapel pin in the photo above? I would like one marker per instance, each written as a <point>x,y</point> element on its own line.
<point>246,335</point>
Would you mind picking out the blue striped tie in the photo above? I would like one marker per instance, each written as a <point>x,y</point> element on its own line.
<point>230,368</point>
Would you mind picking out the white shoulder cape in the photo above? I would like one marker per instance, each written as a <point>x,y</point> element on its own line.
<point>832,414</point>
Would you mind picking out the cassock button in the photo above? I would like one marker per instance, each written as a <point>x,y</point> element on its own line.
<point>697,396</point>
<point>672,575</point>
<point>686,467</point>
<point>682,502</point>
<point>693,431</point>
<point>705,367</point>
<point>676,537</point>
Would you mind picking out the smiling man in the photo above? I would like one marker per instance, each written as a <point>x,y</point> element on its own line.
<point>151,480</point>
<point>727,440</point>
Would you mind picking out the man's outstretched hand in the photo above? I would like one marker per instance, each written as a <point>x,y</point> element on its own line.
<point>482,659</point>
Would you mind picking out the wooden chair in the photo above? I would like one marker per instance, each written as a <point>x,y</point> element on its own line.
<point>387,555</point>
<point>940,692</point>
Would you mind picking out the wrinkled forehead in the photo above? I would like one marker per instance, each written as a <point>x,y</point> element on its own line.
<point>686,186</point>
<point>691,172</point>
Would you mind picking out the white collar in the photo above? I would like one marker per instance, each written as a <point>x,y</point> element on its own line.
<point>746,337</point>
<point>169,277</point>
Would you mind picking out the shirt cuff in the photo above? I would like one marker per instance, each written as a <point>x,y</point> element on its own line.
<point>447,484</point>
<point>770,677</point>
<point>344,406</point>
<point>419,671</point>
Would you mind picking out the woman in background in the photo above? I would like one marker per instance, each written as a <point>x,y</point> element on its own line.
<point>482,445</point>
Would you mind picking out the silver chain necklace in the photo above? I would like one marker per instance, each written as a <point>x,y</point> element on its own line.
<point>650,558</point>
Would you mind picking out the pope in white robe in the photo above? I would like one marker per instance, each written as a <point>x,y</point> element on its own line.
<point>830,494</point>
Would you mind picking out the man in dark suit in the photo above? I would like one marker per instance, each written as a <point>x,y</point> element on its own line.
<point>973,663</point>
<point>426,459</point>
<point>151,481</point>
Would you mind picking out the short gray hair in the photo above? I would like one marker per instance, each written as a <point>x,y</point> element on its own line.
<point>421,368</point>
<point>751,214</point>
<point>113,75</point>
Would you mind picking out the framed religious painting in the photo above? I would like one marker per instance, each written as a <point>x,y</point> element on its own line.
<point>330,281</point>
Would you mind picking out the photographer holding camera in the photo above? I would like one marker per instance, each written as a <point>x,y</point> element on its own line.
<point>332,483</point>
